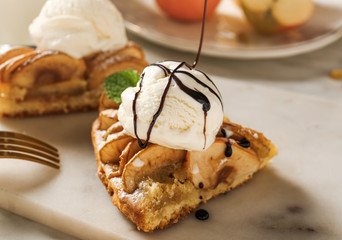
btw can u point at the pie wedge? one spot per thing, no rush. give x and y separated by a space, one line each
157 186
37 82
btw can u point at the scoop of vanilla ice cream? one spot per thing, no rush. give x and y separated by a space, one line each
180 124
79 27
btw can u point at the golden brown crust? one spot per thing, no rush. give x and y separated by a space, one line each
13 52
106 63
170 189
44 107
132 211
37 82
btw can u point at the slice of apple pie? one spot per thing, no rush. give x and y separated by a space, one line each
36 82
160 180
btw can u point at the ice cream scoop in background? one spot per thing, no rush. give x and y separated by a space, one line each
79 27
182 123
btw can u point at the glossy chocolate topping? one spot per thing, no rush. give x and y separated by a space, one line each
194 93
202 214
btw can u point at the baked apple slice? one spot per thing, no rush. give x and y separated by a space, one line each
103 65
13 52
272 16
47 67
154 161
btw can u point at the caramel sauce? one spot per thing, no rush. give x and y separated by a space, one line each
35 58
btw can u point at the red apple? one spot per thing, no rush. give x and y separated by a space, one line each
187 10
269 16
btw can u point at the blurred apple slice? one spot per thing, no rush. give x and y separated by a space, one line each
292 12
272 16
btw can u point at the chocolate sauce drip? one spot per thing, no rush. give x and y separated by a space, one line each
202 214
208 78
244 143
229 151
198 96
224 133
135 117
160 108
203 84
165 69
205 128
194 93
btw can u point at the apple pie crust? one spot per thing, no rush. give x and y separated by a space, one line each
157 186
37 82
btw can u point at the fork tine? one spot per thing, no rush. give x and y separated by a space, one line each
20 146
4 147
24 156
8 141
26 138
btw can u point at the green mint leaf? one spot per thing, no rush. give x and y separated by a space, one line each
116 83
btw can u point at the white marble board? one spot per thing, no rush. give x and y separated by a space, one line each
297 197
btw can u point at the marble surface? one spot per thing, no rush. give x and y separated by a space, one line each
297 197
306 75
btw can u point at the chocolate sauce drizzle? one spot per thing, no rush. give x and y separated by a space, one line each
244 143
228 151
194 93
202 34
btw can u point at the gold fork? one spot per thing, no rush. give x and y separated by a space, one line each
20 146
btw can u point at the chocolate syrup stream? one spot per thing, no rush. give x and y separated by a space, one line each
202 34
194 93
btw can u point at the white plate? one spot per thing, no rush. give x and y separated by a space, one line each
229 35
